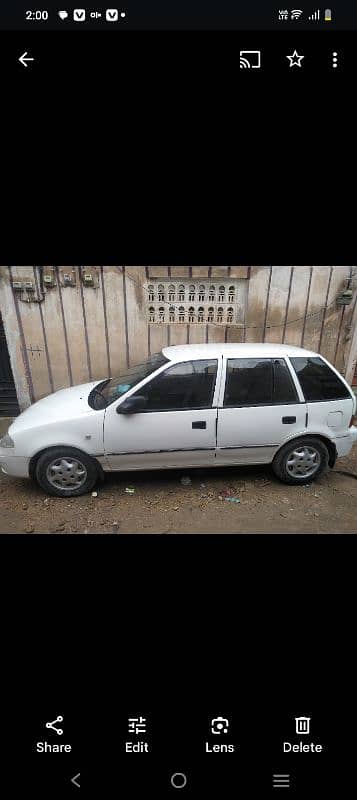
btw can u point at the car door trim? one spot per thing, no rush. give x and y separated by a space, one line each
146 452
245 446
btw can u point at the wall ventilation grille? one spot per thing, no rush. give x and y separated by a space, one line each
221 302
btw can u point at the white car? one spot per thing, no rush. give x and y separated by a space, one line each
189 406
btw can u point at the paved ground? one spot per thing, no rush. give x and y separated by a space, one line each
161 504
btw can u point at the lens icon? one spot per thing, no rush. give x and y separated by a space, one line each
178 780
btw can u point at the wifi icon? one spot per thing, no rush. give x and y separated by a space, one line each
296 13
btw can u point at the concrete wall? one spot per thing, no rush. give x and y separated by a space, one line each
65 335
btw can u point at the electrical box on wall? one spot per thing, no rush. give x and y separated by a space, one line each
25 285
345 298
26 290
90 277
49 278
68 276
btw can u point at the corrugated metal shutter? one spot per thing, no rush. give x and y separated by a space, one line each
8 400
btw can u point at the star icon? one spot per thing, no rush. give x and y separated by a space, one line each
295 59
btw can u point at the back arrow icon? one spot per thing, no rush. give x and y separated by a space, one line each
75 780
25 58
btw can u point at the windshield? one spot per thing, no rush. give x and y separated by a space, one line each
113 388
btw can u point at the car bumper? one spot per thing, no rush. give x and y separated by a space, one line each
345 443
18 466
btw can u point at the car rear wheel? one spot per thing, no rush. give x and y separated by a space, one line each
301 461
66 472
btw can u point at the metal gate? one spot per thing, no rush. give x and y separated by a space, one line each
8 399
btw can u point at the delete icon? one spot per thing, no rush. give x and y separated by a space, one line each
79 14
112 15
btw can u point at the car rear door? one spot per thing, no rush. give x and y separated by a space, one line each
261 406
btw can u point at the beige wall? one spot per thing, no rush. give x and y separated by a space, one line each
80 333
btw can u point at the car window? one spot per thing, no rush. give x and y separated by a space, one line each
113 388
317 380
182 386
258 381
284 390
249 382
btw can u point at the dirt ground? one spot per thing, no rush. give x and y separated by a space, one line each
162 504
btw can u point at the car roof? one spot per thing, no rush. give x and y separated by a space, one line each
185 352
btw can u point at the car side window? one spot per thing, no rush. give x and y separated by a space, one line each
284 390
182 386
258 381
318 381
249 382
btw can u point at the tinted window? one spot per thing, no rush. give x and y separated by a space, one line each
187 385
254 381
318 381
249 382
283 387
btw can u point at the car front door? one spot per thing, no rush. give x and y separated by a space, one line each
261 407
176 427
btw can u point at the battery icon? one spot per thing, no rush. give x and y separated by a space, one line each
328 15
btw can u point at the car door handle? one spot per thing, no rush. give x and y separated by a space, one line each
288 420
201 424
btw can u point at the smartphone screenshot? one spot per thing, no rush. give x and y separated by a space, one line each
178 442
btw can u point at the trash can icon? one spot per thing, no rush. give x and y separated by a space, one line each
302 724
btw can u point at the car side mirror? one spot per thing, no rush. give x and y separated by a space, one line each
132 405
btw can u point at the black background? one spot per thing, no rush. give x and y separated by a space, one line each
178 629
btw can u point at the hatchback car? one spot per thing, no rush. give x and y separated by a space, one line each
189 406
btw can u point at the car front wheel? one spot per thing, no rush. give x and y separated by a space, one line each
301 461
66 472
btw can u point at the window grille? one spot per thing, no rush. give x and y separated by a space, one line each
212 293
220 303
191 294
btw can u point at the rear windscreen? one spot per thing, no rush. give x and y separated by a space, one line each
318 381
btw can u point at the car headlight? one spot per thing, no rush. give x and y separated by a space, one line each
7 441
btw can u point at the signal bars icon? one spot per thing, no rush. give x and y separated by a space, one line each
315 17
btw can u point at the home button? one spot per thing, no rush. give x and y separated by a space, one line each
178 780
